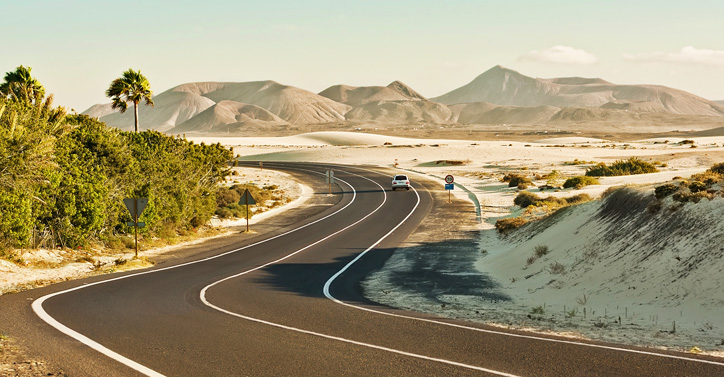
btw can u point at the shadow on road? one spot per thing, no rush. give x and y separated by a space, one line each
432 270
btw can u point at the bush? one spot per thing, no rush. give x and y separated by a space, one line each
697 186
610 191
663 191
693 197
717 168
580 181
622 167
526 199
505 225
556 268
515 179
541 250
578 199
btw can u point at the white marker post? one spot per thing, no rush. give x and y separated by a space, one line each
449 186
330 179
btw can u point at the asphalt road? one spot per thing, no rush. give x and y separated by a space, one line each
288 303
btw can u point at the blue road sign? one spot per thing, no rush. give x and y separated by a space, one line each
449 186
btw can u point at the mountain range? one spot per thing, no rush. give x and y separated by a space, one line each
497 96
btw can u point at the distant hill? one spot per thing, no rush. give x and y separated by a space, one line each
177 105
170 108
229 117
498 96
401 112
355 96
487 113
502 86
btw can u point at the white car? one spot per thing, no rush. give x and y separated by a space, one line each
400 181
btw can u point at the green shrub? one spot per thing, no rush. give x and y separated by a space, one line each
516 179
693 197
697 186
506 225
580 181
665 190
622 167
526 199
578 199
717 168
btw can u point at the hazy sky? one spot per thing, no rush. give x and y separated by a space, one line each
77 47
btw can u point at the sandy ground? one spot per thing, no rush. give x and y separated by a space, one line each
482 276
614 296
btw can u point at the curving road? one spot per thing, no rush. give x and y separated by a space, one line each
288 303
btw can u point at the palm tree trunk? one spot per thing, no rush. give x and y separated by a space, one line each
135 110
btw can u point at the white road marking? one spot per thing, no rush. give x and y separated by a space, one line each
38 308
533 337
40 311
345 340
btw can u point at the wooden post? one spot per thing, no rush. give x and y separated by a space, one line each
135 220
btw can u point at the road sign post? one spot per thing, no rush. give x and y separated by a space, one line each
136 206
247 200
330 179
449 186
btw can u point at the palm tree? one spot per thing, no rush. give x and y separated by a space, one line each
19 85
131 87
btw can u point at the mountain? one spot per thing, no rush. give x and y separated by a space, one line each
487 113
502 86
497 96
401 112
356 96
229 117
170 108
181 103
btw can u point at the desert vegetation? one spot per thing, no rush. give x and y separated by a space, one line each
527 199
580 181
706 185
516 180
227 199
536 208
630 166
63 177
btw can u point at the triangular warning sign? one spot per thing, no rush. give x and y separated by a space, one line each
247 199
